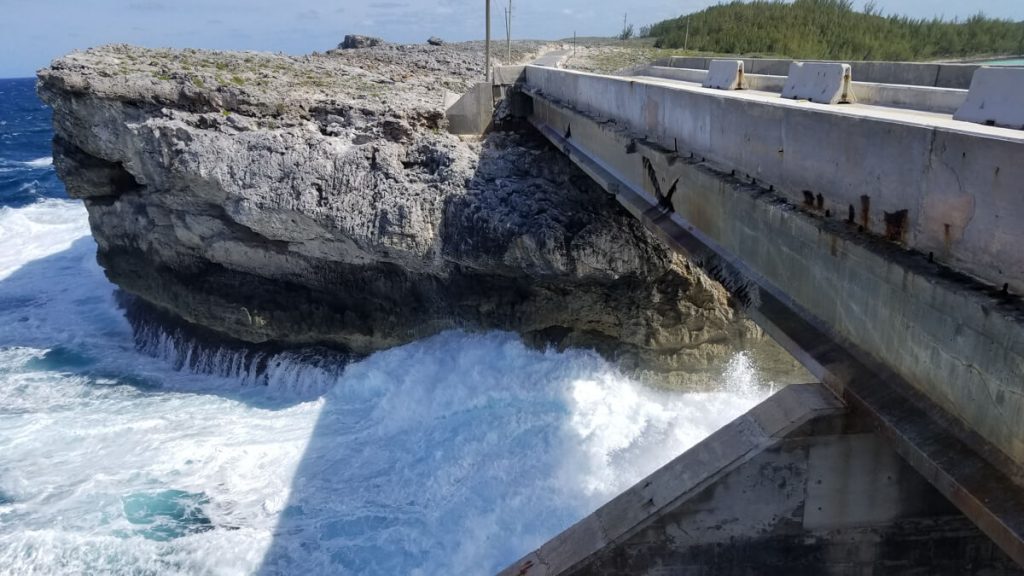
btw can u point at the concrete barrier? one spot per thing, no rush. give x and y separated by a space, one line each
824 83
750 81
724 75
908 73
924 98
996 98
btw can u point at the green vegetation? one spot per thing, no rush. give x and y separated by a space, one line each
832 29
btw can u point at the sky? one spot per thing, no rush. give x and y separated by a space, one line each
33 32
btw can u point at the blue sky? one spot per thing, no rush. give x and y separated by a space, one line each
33 32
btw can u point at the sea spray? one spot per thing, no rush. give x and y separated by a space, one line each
454 454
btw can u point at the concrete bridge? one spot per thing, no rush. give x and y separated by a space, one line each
874 230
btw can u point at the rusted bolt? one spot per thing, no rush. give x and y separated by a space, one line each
865 211
896 225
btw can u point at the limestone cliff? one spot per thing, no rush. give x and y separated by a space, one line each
319 199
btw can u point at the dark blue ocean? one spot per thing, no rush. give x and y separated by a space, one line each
26 169
146 454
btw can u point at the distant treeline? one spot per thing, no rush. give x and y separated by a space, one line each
832 29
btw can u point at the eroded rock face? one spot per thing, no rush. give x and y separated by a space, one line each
320 200
355 41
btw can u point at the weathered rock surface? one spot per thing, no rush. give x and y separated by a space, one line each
320 200
354 41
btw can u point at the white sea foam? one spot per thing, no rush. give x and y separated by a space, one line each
39 230
39 162
452 455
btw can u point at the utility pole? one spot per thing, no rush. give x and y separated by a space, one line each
508 33
487 43
686 39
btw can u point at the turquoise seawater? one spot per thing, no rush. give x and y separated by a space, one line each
1012 62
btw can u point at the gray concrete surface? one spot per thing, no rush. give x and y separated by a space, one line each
799 485
636 508
820 82
724 75
996 98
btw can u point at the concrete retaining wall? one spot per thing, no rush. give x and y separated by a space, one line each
947 188
470 113
942 100
913 73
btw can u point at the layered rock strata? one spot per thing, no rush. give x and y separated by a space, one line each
320 200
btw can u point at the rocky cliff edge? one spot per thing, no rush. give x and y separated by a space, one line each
320 200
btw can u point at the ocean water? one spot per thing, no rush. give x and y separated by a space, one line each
139 452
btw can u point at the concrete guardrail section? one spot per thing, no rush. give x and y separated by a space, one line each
923 98
937 75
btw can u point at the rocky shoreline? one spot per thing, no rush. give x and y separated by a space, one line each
319 200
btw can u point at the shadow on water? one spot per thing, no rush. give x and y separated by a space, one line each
416 455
